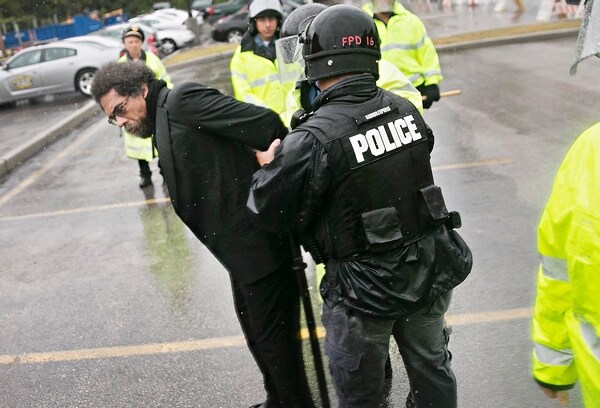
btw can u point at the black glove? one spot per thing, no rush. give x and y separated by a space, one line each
431 94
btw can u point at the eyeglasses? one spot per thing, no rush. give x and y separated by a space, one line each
118 111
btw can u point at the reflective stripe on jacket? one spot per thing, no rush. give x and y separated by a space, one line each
405 43
566 322
137 147
393 80
255 80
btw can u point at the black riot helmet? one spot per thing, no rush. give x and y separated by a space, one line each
339 40
297 20
133 31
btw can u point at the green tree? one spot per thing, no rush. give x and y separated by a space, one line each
44 12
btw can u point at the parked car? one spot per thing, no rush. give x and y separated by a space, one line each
201 6
108 42
53 68
157 22
172 39
161 5
168 18
114 32
181 15
231 28
215 11
166 40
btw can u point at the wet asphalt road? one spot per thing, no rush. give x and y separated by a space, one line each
106 300
29 118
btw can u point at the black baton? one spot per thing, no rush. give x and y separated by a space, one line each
299 267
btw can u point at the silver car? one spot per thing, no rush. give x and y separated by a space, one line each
114 31
52 68
170 37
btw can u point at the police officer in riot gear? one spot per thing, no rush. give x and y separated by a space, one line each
291 67
354 180
293 25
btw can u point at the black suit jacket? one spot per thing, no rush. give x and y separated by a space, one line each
205 143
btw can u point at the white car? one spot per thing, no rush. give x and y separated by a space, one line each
181 15
114 32
108 42
166 40
53 68
167 18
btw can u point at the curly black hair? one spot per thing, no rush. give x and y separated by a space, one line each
125 78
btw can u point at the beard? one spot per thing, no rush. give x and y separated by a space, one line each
144 128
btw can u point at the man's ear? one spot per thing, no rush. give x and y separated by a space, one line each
144 90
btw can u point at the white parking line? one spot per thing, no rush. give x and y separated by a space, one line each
62 154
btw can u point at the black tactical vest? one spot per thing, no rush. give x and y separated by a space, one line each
383 195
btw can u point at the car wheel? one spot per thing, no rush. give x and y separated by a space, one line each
83 81
235 36
168 46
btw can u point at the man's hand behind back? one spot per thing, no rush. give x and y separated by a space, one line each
266 156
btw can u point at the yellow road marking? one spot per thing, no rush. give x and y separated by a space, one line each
80 210
123 351
201 344
472 164
219 342
32 178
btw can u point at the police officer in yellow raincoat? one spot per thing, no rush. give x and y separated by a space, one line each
139 148
566 322
405 43
253 65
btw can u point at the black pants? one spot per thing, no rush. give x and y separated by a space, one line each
269 313
144 168
358 345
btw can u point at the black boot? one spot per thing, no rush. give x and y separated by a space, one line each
145 174
145 181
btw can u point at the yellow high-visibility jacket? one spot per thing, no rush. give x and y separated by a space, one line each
566 321
390 78
405 43
137 147
255 79
393 80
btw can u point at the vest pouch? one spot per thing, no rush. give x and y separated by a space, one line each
432 206
382 227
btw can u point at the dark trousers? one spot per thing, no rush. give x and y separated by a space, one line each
358 347
144 168
269 313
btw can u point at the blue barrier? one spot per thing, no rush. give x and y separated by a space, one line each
81 25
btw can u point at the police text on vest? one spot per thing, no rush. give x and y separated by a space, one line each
378 140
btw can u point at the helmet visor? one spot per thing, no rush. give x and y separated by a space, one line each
290 63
